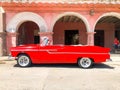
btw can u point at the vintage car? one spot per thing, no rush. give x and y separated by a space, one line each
84 56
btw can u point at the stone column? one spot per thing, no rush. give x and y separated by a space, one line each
3 50
48 35
11 41
90 38
2 33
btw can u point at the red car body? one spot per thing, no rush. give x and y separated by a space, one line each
61 53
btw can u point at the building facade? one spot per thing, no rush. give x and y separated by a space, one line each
87 22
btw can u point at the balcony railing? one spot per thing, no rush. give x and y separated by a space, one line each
64 1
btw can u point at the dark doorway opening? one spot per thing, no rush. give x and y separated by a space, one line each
99 38
117 34
36 39
71 37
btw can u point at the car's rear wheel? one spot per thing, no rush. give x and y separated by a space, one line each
85 62
24 61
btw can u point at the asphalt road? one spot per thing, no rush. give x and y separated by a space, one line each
104 76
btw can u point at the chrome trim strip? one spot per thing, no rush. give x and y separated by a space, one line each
73 53
36 50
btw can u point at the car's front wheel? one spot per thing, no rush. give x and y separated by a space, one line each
24 61
85 62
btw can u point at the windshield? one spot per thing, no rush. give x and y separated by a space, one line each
45 41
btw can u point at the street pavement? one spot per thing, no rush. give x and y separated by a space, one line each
115 57
104 76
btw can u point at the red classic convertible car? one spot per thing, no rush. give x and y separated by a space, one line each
84 56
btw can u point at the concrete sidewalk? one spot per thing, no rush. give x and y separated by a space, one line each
115 57
2 59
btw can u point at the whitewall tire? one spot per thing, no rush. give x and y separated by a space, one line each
85 62
24 61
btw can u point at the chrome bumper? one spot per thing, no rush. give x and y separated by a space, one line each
11 58
108 60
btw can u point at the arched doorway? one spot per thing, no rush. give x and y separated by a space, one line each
13 27
69 30
28 33
107 28
28 16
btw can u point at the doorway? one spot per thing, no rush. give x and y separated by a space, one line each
36 39
71 37
28 33
99 38
117 34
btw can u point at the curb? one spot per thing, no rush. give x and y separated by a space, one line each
2 62
3 58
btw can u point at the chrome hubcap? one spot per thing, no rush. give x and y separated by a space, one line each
85 62
23 61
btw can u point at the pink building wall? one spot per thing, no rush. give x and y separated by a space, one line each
55 30
58 30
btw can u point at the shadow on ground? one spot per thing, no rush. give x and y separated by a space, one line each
103 66
99 66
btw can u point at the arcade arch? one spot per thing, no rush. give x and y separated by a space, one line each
68 25
28 33
18 19
107 27
13 27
